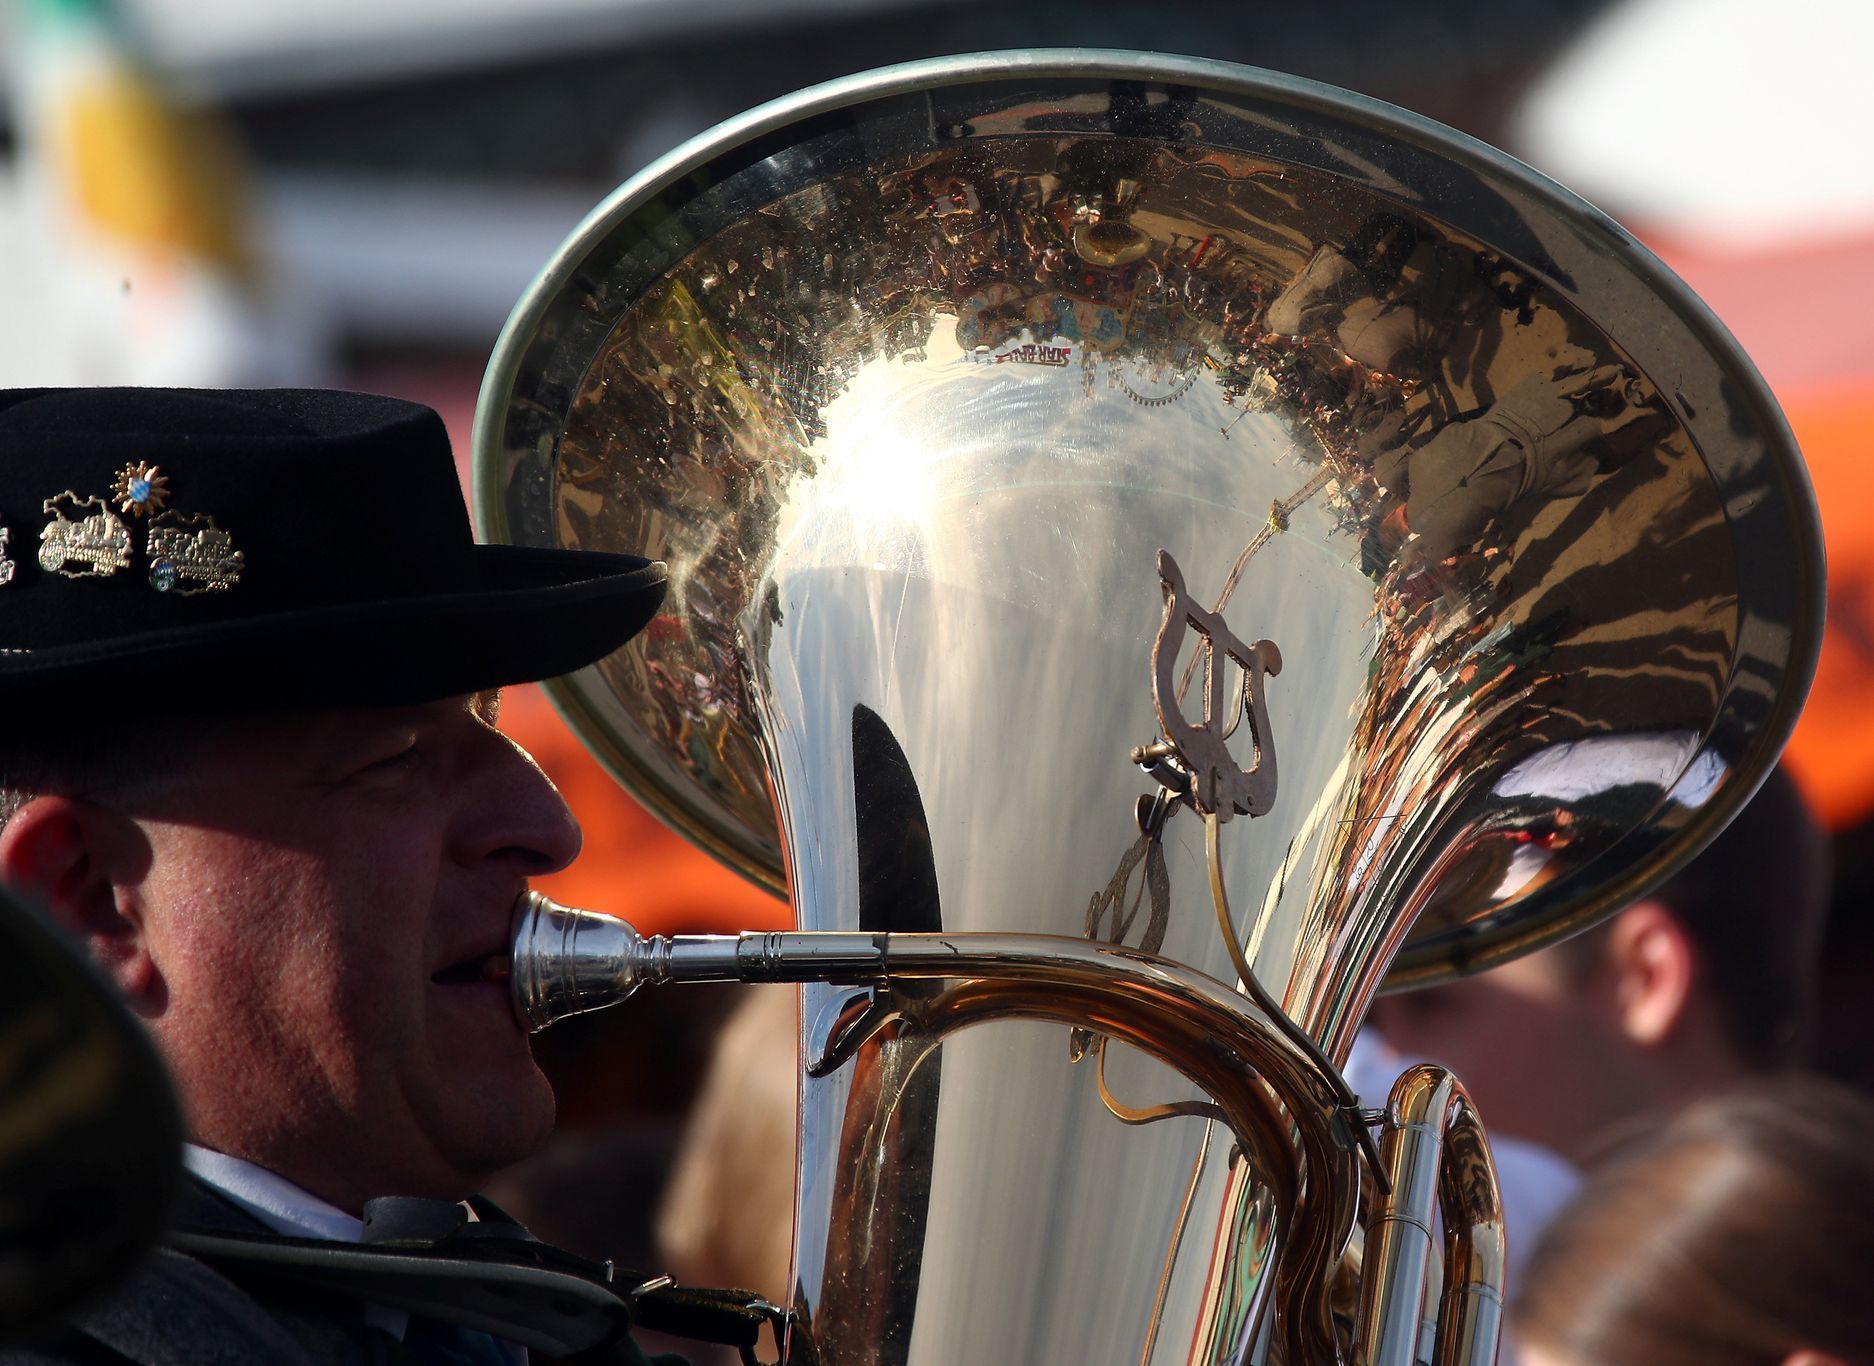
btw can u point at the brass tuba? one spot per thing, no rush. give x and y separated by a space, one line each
1160 552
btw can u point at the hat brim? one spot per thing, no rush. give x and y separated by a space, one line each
523 614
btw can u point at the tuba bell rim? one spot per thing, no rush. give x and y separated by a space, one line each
1783 586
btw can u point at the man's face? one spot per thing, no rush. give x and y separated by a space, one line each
327 904
1536 1043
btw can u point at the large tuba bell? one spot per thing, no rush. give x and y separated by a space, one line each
1159 553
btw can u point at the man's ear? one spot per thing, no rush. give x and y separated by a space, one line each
85 864
1656 971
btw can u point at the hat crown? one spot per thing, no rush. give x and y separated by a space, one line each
187 548
329 497
196 413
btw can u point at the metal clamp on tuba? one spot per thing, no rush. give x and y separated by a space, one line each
1041 444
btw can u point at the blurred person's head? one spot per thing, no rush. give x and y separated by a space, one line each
727 1216
1739 1234
1707 980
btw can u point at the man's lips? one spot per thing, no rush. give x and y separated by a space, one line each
482 967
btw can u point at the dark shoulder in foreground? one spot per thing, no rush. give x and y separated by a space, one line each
178 1311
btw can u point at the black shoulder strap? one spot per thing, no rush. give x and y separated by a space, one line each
494 1277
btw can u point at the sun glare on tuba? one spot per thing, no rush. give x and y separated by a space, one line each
1159 553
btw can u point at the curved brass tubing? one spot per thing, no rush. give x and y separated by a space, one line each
1435 1151
1270 1091
1271 1099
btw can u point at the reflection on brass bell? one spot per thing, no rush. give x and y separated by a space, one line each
1109 243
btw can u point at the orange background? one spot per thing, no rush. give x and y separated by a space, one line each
632 864
1803 310
1832 752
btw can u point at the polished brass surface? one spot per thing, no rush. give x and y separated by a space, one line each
919 383
901 361
1436 1156
1270 1094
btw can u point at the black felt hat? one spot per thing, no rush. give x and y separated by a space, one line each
220 548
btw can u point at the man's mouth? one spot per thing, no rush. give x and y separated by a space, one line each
483 967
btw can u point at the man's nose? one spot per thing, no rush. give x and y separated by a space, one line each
520 819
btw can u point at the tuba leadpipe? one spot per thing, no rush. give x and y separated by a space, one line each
1049 450
1273 1093
1270 1091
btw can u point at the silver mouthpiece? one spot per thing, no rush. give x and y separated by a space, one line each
567 962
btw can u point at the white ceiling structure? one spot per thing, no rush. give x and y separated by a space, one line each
1733 136
1724 123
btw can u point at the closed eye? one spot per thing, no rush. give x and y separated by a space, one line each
392 763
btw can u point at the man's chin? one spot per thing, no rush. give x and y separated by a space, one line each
504 1119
